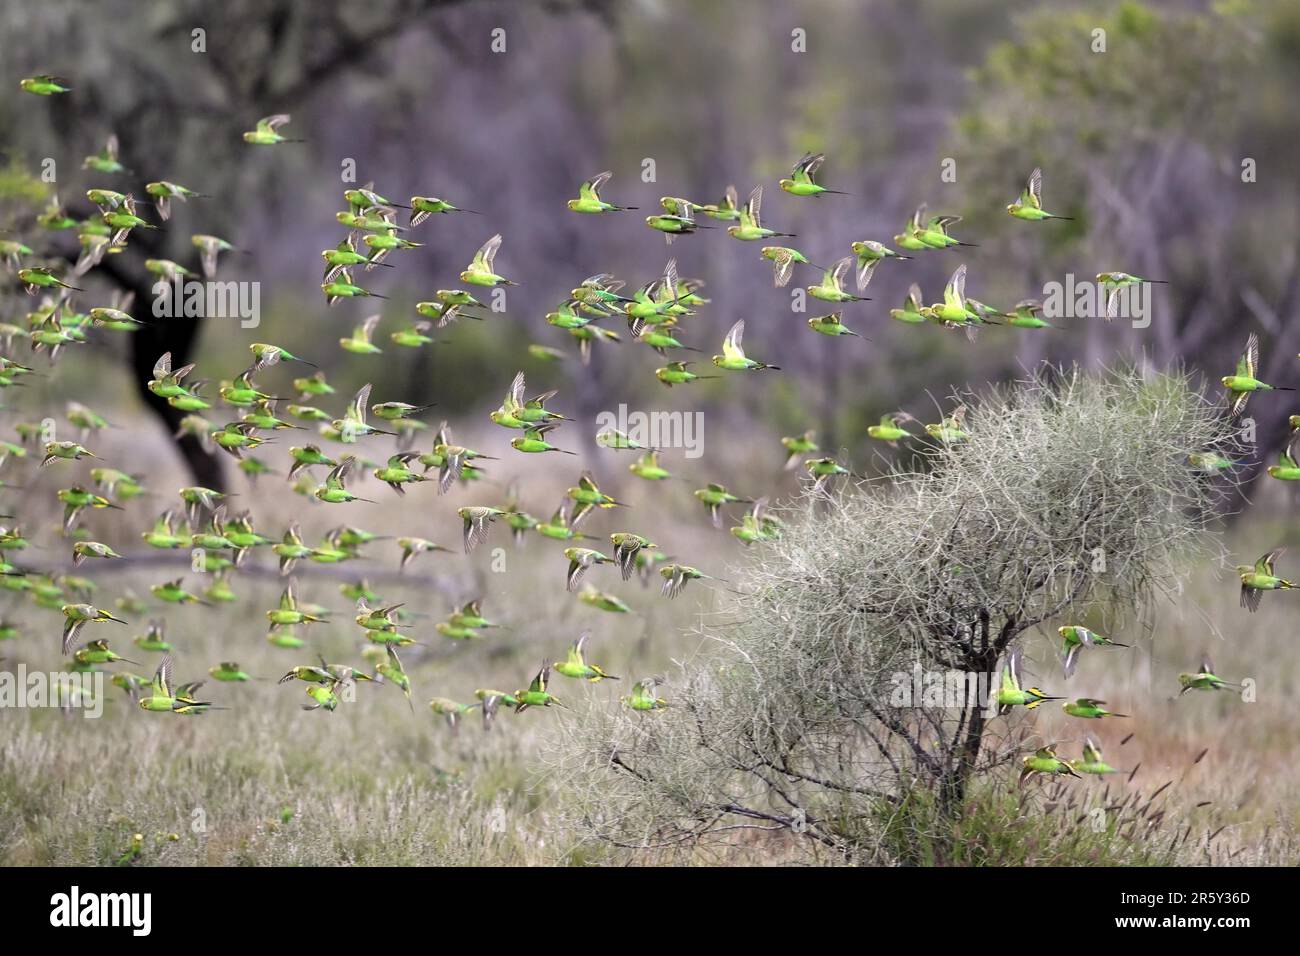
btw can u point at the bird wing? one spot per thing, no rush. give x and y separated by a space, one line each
754 206
591 188
1249 358
269 124
1033 194
484 257
954 293
367 328
162 678
357 408
731 345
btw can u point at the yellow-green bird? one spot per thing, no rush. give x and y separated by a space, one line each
265 134
1045 761
480 270
831 288
580 559
751 227
1257 579
333 491
643 696
1204 679
67 451
359 342
1092 761
288 612
890 429
1076 638
575 664
797 446
733 356
589 200
1029 205
44 85
714 496
1089 707
163 698
1010 694
476 519
393 671
537 695
353 424
82 550
1287 468
1243 383
677 576
800 181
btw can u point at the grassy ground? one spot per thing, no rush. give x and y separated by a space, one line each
265 782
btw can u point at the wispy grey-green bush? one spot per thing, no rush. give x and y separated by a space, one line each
1072 492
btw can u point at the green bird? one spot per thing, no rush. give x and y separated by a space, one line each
309 673
677 576
456 632
1011 694
132 684
75 616
344 256
1026 315
1257 579
1286 468
265 134
413 546
580 559
471 615
66 450
588 494
823 470
164 698
1243 383
333 492
1211 462
422 207
728 210
343 287
229 672
173 593
536 695
233 437
166 382
733 356
382 243
602 601
412 337
830 325
11 250
106 161
800 182
626 547
76 499
679 222
353 423
1204 679
91 549
750 226
934 233
1030 203
950 430
395 411
476 520
1076 638
163 192
890 429
397 473
98 652
831 288
450 709
869 253
359 342
575 663
797 446
163 535
288 612
376 618
480 270
679 373
757 525
392 671
37 278
1112 283
560 527
1089 707
291 549
1092 761
648 467
783 259
44 85
1044 760
714 496
589 200
545 353
322 698
306 456
643 696
533 441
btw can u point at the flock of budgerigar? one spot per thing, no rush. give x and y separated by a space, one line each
656 314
